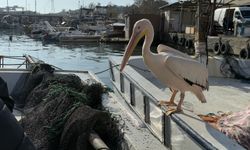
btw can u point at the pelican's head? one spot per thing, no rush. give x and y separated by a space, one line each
140 29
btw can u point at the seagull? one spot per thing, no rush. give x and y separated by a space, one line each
175 69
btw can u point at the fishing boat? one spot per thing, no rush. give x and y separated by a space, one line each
15 71
141 91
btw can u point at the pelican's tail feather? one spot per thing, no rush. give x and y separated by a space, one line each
197 90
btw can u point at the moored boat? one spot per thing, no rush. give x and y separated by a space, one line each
141 91
74 35
20 70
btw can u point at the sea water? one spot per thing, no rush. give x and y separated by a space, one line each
85 56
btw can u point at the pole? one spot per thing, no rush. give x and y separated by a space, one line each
35 6
8 6
211 29
26 5
200 34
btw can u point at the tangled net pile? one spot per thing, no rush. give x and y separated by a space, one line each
61 111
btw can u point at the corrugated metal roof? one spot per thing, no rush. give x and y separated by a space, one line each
238 2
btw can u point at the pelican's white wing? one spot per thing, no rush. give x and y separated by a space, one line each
166 49
188 69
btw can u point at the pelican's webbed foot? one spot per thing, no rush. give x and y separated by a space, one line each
166 103
172 111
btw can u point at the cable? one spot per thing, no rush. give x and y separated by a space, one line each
107 69
139 68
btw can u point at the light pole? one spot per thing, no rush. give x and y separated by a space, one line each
8 6
35 6
26 5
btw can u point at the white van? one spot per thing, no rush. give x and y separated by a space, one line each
234 18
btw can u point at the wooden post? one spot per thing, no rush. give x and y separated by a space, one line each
200 34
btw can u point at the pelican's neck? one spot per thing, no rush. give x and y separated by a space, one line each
149 36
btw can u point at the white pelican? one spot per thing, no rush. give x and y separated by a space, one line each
174 68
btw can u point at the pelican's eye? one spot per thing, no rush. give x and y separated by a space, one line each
138 27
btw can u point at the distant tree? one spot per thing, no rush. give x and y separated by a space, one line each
133 9
112 11
149 6
92 5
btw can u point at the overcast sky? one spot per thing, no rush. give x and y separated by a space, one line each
44 6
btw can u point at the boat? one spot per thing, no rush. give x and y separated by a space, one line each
15 70
41 29
134 100
74 35
99 26
141 91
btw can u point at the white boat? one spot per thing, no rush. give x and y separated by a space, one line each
88 27
140 91
74 35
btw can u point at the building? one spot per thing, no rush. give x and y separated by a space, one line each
178 16
130 20
100 10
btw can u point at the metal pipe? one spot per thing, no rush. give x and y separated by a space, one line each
97 142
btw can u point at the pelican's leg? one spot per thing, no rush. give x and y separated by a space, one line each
178 108
180 102
170 102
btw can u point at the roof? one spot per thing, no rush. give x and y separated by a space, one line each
192 5
118 24
179 5
237 2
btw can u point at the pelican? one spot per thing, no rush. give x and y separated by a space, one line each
173 68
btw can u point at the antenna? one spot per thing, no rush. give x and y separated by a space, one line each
52 6
35 6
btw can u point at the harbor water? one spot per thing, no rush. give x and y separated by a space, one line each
85 56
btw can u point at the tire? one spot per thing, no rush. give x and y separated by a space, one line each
244 53
224 49
182 41
175 39
216 48
188 44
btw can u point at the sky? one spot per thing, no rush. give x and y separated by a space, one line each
44 6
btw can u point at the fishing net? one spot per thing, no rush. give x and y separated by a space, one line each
235 125
61 111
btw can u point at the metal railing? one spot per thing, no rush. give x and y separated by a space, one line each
17 62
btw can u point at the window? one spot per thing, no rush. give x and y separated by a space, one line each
245 13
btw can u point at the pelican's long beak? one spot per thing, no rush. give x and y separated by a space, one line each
135 38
